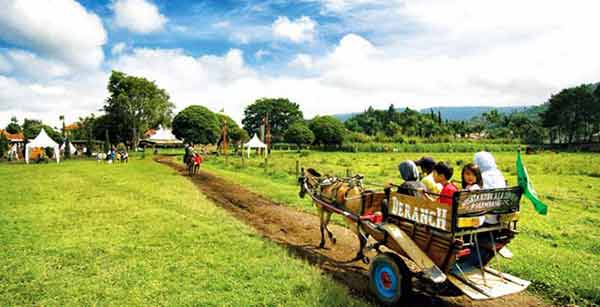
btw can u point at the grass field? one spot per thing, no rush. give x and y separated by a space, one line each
559 253
82 234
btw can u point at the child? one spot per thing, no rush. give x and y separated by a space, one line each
471 177
492 177
197 159
427 164
442 173
410 174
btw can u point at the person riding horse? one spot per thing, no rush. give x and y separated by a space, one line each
189 153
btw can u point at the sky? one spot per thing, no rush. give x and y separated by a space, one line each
330 56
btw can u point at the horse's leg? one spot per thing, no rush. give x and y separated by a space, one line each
322 226
329 233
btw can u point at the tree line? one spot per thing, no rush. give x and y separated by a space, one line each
136 104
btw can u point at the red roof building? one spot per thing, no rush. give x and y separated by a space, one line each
16 137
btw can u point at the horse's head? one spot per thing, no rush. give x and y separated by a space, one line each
309 179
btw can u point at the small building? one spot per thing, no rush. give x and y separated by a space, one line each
160 137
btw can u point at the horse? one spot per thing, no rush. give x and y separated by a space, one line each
346 194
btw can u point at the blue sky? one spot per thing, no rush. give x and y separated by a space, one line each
331 56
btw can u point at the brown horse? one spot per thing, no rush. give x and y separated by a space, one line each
346 194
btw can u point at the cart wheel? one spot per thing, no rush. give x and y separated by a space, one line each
389 278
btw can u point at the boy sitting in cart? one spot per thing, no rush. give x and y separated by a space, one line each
442 173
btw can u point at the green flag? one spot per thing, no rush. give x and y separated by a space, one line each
527 187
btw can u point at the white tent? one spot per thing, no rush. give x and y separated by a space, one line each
71 148
163 136
255 142
42 140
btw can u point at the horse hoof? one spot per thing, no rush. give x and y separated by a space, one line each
366 260
333 241
322 244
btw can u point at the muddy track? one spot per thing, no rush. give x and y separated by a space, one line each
299 233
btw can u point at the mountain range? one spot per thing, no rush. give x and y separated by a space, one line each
452 113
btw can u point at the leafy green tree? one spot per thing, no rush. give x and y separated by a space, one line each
282 113
198 125
568 113
298 133
135 105
235 134
13 127
328 130
32 127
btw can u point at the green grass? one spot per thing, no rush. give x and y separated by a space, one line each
559 253
84 234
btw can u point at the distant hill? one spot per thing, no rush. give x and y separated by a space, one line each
466 113
452 113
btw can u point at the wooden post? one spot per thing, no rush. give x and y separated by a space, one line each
297 168
243 163
266 165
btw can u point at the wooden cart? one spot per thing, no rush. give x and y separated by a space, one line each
447 244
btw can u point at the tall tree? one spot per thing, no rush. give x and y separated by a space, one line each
282 113
135 105
235 134
32 127
13 126
328 130
568 113
197 125
298 133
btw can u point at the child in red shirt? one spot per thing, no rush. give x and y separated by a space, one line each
442 173
197 159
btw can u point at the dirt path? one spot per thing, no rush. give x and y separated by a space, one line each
299 233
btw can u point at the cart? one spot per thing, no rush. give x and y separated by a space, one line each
425 245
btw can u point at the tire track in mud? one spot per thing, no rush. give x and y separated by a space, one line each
298 232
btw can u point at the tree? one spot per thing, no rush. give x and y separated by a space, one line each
569 112
135 105
298 133
32 127
282 113
197 125
235 134
328 130
13 127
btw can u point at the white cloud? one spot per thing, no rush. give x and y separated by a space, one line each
26 64
303 61
61 29
47 99
222 24
341 5
138 16
118 48
417 54
300 30
260 54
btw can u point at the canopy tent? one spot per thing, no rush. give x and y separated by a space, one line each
42 140
72 148
163 136
255 142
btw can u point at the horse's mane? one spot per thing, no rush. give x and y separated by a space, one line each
313 172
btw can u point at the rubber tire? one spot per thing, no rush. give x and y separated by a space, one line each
394 264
